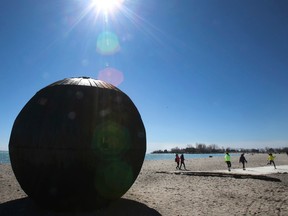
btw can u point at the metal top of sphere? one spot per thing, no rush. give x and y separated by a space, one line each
84 81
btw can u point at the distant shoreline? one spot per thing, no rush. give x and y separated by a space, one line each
4 156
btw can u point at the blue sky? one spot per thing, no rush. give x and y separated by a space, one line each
199 71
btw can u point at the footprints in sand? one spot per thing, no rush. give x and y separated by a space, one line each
270 203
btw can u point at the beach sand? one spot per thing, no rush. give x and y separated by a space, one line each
161 190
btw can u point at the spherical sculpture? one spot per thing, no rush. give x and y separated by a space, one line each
78 143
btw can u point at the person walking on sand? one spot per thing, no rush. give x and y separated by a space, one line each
271 158
182 161
228 160
177 160
242 160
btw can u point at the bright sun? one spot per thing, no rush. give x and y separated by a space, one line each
106 5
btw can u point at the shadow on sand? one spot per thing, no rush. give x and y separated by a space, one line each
224 175
26 207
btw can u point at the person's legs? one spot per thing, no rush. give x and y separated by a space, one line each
273 164
229 165
243 165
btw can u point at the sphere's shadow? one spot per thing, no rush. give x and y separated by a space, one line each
26 207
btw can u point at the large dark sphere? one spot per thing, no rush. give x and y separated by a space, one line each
78 143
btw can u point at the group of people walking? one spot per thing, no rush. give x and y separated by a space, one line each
180 160
243 160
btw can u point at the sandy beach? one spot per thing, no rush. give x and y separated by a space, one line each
161 190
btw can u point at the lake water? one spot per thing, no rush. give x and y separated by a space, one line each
4 156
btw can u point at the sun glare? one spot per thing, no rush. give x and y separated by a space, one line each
106 5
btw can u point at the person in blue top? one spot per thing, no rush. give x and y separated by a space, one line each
227 158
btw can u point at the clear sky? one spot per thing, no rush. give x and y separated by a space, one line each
199 71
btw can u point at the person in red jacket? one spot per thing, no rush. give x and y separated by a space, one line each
177 160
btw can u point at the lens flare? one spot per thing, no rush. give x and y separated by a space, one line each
107 43
111 75
111 138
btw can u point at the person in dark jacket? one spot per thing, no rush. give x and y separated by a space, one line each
182 162
242 160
